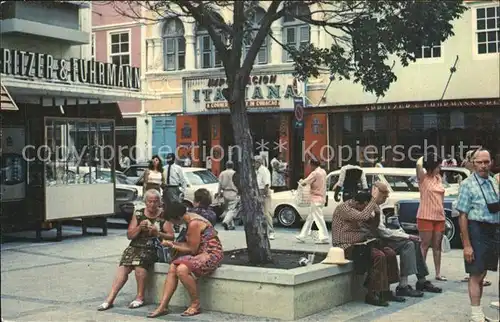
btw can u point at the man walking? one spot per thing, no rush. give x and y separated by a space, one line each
230 194
479 208
264 185
278 182
411 259
175 181
317 180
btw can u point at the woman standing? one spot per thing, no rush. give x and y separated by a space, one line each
430 214
140 255
153 176
200 255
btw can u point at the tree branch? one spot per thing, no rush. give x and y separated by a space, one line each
265 26
207 21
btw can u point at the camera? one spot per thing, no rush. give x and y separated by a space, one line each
363 196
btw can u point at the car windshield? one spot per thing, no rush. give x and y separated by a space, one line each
405 183
201 177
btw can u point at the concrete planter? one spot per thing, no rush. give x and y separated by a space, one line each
263 292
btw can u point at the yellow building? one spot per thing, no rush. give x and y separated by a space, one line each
182 67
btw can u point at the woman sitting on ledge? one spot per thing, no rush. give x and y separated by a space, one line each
200 255
140 255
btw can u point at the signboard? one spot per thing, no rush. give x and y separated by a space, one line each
298 108
31 65
268 91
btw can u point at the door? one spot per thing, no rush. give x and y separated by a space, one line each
13 165
164 136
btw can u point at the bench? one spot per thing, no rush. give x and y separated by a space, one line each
264 292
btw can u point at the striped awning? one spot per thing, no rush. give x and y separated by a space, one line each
7 103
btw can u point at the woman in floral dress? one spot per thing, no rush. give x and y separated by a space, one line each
200 255
146 225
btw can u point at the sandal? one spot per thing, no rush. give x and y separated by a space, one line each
153 315
105 306
135 304
441 278
191 311
486 283
465 279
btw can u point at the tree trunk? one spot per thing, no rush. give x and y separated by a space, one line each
258 246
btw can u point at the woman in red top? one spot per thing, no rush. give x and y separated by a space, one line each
430 215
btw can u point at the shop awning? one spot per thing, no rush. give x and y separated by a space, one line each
7 103
29 91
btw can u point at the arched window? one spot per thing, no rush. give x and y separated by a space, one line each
208 57
295 32
174 45
263 55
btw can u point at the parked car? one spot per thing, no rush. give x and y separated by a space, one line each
135 171
402 184
407 209
196 178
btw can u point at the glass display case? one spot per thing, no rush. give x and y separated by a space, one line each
78 151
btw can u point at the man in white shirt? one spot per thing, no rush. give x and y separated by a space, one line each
175 181
124 162
230 194
350 178
264 184
411 260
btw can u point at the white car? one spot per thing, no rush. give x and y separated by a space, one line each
196 178
402 183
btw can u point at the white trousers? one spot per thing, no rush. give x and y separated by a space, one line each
230 212
316 215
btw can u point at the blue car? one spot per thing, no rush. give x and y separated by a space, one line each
407 212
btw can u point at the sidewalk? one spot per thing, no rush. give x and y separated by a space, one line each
66 281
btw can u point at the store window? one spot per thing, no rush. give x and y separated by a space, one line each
78 151
120 48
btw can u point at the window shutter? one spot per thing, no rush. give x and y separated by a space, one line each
305 35
198 51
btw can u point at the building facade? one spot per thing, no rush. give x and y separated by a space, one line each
183 67
448 98
59 123
117 38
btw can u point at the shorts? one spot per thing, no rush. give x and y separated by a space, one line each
485 241
430 225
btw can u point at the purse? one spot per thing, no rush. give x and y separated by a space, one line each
493 207
162 252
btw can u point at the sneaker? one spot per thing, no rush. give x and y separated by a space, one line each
408 291
495 305
322 241
272 237
300 239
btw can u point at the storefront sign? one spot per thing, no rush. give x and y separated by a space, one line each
74 70
262 91
465 103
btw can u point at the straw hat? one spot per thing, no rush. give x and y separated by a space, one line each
335 256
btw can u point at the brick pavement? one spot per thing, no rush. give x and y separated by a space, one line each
66 281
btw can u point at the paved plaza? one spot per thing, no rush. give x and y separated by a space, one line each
66 281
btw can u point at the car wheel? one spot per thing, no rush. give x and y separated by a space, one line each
452 232
287 216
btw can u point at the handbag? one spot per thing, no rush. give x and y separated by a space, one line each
162 252
302 196
493 207
445 244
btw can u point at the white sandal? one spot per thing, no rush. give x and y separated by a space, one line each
135 304
104 306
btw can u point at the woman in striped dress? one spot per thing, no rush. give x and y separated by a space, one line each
430 214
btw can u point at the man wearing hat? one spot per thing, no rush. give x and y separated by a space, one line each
264 185
349 232
175 181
